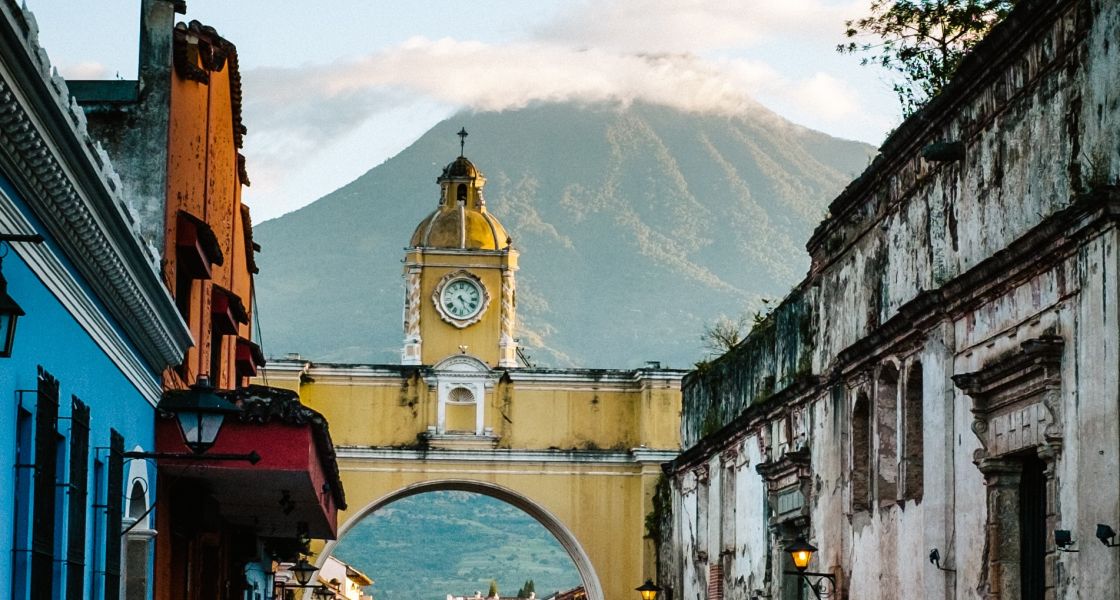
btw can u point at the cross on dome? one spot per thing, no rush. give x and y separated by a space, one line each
462 140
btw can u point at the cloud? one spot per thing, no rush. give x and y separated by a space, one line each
501 77
692 55
84 70
696 25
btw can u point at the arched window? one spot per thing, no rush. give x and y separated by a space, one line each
886 411
861 453
461 193
137 547
912 433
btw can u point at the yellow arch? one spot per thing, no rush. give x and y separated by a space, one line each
567 539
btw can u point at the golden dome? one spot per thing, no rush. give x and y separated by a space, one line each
461 220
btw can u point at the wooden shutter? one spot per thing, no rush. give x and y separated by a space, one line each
114 483
79 474
43 503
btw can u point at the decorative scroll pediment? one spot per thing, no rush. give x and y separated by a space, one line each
788 484
1015 399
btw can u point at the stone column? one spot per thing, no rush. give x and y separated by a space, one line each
1001 478
507 347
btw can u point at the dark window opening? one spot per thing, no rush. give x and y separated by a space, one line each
183 284
461 194
1032 529
861 454
215 355
913 439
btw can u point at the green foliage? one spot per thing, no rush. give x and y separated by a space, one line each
493 592
921 40
527 589
724 333
662 506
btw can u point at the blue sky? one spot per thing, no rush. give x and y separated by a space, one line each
334 88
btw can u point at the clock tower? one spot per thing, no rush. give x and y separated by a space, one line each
460 290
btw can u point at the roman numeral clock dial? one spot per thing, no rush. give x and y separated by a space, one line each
461 298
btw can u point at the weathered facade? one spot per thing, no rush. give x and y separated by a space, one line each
945 377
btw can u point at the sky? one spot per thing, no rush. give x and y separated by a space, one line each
334 88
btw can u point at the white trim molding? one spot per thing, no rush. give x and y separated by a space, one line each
68 182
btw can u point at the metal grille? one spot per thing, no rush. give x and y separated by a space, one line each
114 484
44 502
79 472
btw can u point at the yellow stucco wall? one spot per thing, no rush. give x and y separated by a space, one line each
442 339
565 441
390 407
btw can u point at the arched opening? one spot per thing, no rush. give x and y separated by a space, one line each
912 435
861 454
586 572
886 412
136 547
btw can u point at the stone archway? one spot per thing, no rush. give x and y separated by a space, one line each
554 526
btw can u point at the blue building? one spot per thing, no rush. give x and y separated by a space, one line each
83 378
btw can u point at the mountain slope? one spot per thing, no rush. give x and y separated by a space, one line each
636 226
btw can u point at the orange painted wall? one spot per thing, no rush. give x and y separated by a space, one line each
203 180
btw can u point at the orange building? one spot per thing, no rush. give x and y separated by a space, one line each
174 136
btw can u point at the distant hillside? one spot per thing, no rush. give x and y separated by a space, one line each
430 545
636 227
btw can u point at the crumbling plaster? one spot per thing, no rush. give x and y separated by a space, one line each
952 266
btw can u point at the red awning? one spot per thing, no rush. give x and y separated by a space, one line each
296 481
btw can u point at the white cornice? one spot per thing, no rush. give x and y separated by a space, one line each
576 379
68 182
635 456
60 281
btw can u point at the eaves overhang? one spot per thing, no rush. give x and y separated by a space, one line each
68 182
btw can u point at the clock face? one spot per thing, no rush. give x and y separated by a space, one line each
461 298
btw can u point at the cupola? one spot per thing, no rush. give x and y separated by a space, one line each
461 220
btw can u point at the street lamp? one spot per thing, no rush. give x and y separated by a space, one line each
10 311
801 552
200 413
648 590
323 593
303 571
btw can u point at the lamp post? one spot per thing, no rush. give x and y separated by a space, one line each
801 552
648 590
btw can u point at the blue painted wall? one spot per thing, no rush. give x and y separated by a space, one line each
50 337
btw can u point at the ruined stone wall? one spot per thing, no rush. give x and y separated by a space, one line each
956 336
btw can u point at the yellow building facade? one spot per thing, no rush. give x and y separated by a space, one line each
578 449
